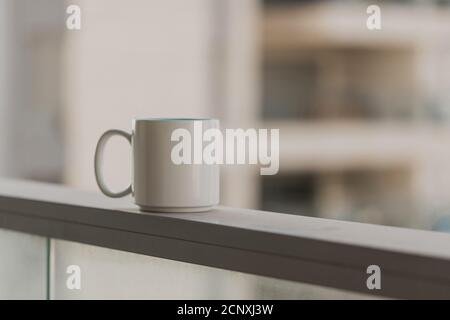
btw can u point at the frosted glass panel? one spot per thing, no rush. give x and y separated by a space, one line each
112 274
23 266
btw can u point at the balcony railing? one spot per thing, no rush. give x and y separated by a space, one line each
232 251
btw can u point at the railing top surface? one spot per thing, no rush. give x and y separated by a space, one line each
285 246
427 243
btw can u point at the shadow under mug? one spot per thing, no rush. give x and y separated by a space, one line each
158 184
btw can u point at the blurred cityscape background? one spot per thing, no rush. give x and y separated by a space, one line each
364 116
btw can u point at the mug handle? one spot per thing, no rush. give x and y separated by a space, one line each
98 161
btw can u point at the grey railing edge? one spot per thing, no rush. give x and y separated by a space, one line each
303 249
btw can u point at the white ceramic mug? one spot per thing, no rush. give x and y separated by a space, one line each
158 184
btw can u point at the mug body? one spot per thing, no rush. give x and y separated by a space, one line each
161 185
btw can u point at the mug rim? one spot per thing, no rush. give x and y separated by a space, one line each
172 119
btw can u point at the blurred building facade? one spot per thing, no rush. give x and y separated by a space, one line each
31 46
363 115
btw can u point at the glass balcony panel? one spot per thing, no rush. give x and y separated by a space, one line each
23 266
113 274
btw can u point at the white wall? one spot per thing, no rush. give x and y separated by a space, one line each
241 94
135 59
